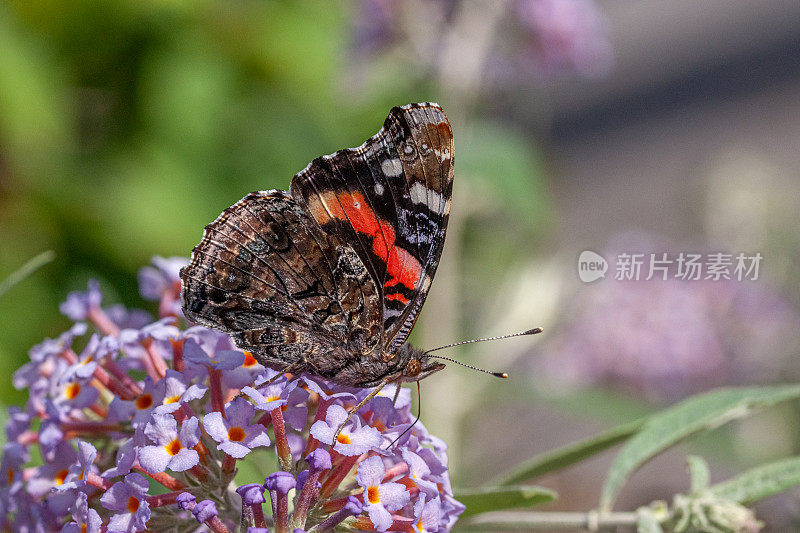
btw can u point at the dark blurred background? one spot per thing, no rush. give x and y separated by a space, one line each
613 126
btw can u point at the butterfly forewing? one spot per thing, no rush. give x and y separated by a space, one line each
390 196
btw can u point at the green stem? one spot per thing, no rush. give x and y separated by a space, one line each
525 521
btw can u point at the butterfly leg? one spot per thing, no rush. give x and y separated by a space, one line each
397 393
361 404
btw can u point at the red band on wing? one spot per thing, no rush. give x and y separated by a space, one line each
403 267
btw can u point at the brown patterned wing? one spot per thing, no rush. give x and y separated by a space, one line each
266 274
390 200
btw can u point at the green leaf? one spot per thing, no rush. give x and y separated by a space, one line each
554 460
760 482
26 270
672 425
485 499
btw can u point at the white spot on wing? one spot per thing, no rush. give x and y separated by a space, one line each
420 194
392 167
378 189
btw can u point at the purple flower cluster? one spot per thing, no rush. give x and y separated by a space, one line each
144 425
668 339
539 38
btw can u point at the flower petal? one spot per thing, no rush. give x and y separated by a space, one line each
393 495
380 517
154 459
215 426
183 460
370 472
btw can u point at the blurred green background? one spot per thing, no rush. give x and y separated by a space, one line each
126 126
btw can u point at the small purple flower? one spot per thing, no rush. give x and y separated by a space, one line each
127 500
427 513
327 392
160 278
77 394
186 501
84 465
53 347
15 455
251 493
419 472
205 510
128 318
53 473
234 433
380 498
85 519
174 390
354 439
270 397
86 364
141 407
222 360
173 450
126 457
78 304
280 482
18 422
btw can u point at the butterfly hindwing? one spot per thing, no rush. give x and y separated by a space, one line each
269 276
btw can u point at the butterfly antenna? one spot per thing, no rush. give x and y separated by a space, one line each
495 374
533 331
419 414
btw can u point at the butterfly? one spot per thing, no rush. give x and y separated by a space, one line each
329 278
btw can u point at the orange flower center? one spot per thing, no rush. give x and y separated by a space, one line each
72 390
172 399
174 447
133 505
236 434
373 495
343 438
144 401
249 360
60 476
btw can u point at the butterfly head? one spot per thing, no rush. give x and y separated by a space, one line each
417 364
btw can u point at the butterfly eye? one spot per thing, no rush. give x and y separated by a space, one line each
413 368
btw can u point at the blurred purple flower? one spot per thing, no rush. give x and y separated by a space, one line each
565 36
667 339
79 304
85 519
